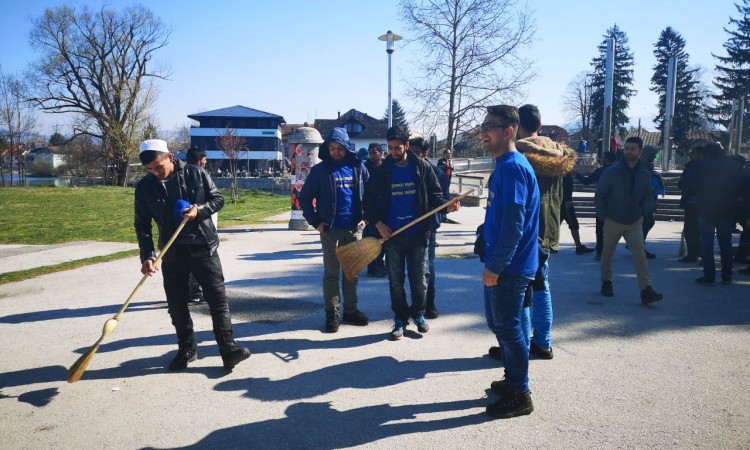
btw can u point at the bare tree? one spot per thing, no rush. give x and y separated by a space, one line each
179 138
97 65
473 56
232 145
577 103
18 119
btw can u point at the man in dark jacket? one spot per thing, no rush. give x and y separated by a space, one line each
160 197
403 189
606 161
623 196
715 183
421 148
336 185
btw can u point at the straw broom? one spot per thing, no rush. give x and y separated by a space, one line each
355 256
76 370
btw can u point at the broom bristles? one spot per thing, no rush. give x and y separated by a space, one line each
356 256
76 370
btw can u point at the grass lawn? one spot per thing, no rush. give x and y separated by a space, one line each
52 215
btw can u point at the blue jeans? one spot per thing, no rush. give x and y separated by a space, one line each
723 227
503 305
539 316
407 255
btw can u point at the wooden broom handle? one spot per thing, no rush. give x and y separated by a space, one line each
158 259
428 214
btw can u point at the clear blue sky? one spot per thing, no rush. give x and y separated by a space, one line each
310 59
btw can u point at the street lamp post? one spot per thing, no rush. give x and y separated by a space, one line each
389 39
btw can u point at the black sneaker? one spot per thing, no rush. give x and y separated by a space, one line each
607 290
356 318
499 387
184 356
706 280
422 326
512 404
726 280
649 295
234 356
649 255
688 259
431 312
332 321
495 353
583 250
541 352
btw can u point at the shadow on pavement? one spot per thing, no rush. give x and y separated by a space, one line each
54 314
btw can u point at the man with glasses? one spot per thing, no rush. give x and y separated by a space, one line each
511 232
164 196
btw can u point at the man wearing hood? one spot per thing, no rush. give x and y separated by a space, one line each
164 196
401 190
336 185
550 161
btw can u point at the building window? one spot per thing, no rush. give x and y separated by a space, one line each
353 127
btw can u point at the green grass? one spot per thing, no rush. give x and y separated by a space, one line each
49 215
21 275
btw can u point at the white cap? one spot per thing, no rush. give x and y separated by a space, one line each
156 145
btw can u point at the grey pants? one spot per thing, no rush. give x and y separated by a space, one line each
633 234
331 239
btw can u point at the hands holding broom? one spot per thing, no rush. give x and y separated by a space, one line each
386 232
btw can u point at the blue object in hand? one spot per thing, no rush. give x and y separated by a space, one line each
179 206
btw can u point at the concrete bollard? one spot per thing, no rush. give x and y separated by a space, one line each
304 145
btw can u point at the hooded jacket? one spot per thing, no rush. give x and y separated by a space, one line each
320 185
151 203
550 161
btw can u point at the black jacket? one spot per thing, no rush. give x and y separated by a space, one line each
151 203
377 197
715 185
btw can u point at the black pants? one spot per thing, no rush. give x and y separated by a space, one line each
648 223
179 262
692 232
599 236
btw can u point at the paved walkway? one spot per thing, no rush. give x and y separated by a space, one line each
674 374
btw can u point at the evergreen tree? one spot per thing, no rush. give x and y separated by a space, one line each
399 116
56 139
733 71
689 104
623 81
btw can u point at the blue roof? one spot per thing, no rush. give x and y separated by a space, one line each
237 111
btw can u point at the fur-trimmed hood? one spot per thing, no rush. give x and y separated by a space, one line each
547 157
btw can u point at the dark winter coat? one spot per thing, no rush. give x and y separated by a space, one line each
624 194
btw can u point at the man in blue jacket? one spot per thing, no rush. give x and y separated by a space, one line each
336 185
511 231
623 197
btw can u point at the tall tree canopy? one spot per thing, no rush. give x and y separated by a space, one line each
733 70
622 86
98 66
473 55
689 106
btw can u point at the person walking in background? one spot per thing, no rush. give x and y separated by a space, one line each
336 185
374 160
690 227
446 165
160 197
743 213
606 162
715 183
421 148
568 214
623 195
511 232
657 188
403 189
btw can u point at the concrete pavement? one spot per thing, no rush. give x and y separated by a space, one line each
673 374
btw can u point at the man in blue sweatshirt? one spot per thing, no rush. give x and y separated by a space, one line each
511 230
337 186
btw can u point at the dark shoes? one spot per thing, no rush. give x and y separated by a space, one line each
495 353
512 404
726 280
745 271
499 387
583 250
607 289
184 356
377 273
706 280
431 313
422 326
540 352
649 295
688 259
598 257
234 356
649 255
356 318
332 321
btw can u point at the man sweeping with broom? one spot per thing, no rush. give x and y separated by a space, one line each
165 196
402 189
